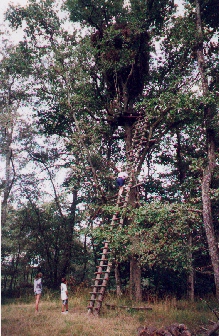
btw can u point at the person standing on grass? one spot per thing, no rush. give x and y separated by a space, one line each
64 296
38 287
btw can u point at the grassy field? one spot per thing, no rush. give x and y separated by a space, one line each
19 317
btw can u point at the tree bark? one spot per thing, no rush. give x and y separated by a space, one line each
69 233
135 269
8 125
207 214
135 280
83 275
118 280
191 290
211 162
9 176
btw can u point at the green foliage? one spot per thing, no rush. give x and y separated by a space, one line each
42 239
159 234
32 14
96 14
100 13
82 87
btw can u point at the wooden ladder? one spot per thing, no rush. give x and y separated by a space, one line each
105 264
100 282
138 142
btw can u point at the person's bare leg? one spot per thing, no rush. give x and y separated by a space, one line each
37 302
120 191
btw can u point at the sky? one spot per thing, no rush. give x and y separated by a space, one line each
4 4
3 7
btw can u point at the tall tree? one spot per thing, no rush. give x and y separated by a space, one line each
13 91
120 47
211 139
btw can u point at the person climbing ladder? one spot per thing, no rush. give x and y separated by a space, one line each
120 181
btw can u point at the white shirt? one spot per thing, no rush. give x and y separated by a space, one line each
63 291
38 286
123 175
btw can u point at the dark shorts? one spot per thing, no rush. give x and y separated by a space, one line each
120 181
65 302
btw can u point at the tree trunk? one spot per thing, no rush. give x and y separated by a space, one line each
207 214
83 275
8 176
135 280
69 233
9 167
135 269
211 162
190 288
118 280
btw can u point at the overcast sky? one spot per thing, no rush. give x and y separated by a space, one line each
3 6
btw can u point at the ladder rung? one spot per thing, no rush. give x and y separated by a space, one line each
102 259
99 286
102 264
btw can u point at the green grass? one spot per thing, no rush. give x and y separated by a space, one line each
19 317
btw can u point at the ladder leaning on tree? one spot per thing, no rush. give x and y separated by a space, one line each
105 264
